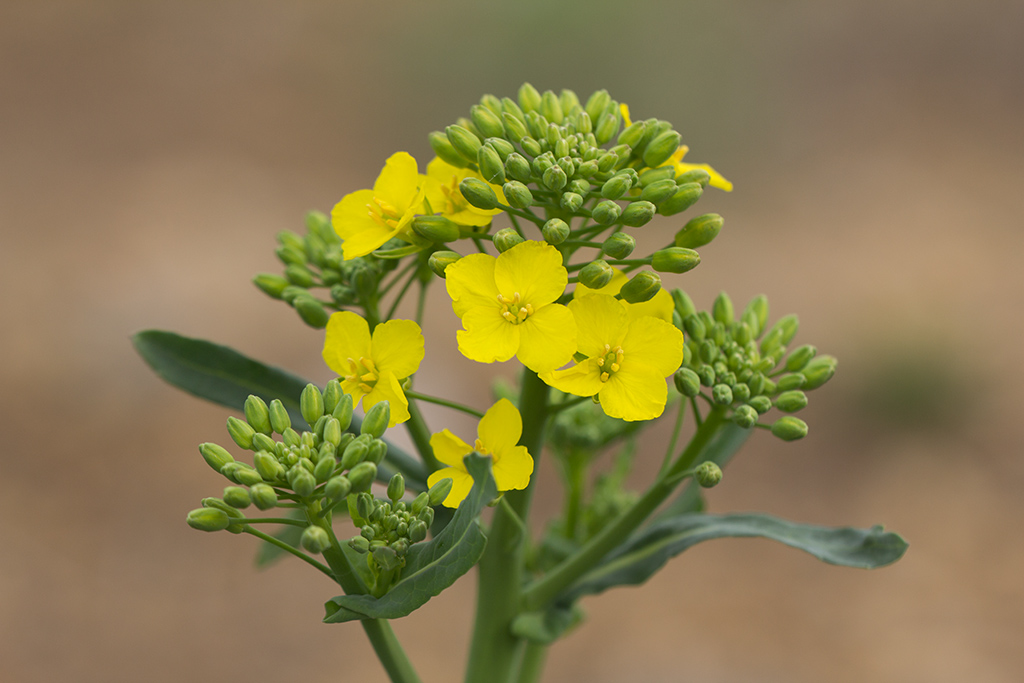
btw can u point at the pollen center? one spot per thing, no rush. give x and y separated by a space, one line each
513 310
480 448
384 213
610 362
453 199
363 372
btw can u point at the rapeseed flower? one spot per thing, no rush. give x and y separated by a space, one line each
498 433
366 219
507 306
442 192
370 366
626 359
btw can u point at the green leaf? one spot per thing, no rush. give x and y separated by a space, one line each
720 451
226 377
433 566
647 551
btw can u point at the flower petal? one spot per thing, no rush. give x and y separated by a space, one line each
654 344
500 427
449 448
582 379
470 283
637 395
397 346
600 319
348 336
388 389
547 339
488 337
512 469
462 482
352 220
534 270
398 181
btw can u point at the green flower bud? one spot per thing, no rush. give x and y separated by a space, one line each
800 357
332 394
562 149
699 231
707 375
324 469
440 260
722 310
653 130
237 497
354 453
301 480
708 474
675 260
343 411
606 128
377 450
396 488
661 148
492 168
740 392
687 382
758 309
791 401
741 333
619 245
569 101
263 496
377 419
555 231
722 394
596 274
291 293
638 213
633 135
311 404
272 285
311 311
268 466
515 127
659 191
819 371
551 107
518 194
506 238
745 417
445 151
364 508
208 519
684 197
762 404
478 193
571 201
337 487
487 121
332 431
262 442
279 419
386 558
257 415
787 326
554 178
531 146
789 428
291 256
606 212
683 303
241 433
299 275
359 544
437 229
641 287
465 142
215 456
517 167
694 327
362 475
419 502
438 492
616 186
315 540
417 531
598 103
508 106
694 175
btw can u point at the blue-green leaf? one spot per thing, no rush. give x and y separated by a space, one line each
648 550
433 566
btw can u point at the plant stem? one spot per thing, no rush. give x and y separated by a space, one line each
494 650
561 577
443 402
534 656
420 435
287 548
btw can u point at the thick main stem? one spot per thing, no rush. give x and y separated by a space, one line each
494 650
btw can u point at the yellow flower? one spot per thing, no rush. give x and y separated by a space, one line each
507 306
717 179
366 219
499 431
660 306
371 367
627 360
442 190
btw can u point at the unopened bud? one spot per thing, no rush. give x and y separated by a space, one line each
641 287
396 487
638 213
343 411
531 146
445 151
362 475
687 382
722 310
518 168
272 285
324 469
708 474
616 186
554 178
279 419
571 201
633 134
478 193
551 107
661 148
378 449
514 127
302 481
315 540
722 394
299 275
791 401
376 419
263 496
338 487
789 428
215 456
359 544
311 404
699 231
237 497
555 231
492 168
438 492
694 327
619 245
819 370
787 327
268 466
518 195
659 191
487 121
465 142
762 404
800 357
694 175
208 519
332 394
758 309
258 415
311 311
437 229
440 260
606 212
745 417
241 433
675 260
354 453
596 274
506 238
332 431
684 197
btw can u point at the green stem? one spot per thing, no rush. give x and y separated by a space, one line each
420 435
534 656
401 293
275 520
675 437
569 570
576 480
494 650
443 402
287 548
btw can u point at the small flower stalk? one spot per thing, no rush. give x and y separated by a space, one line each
528 216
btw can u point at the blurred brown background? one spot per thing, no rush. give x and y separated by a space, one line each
150 151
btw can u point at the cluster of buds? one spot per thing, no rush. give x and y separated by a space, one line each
744 363
315 261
